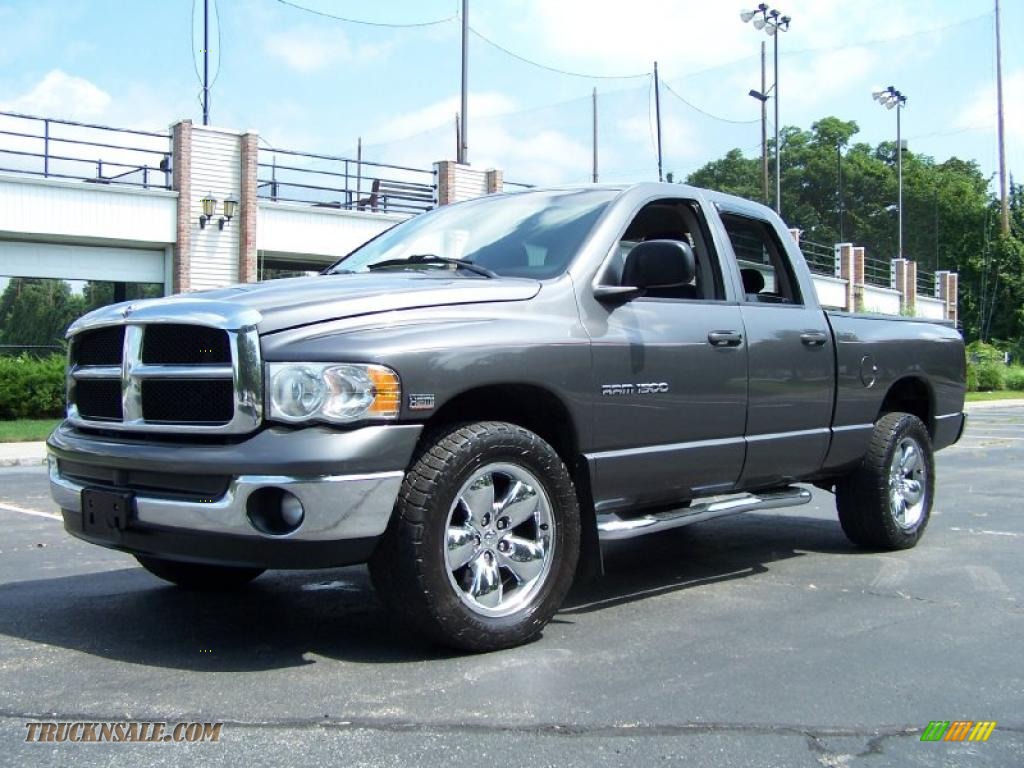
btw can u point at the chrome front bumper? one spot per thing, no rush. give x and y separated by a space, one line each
336 507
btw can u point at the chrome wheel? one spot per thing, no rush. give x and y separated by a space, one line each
908 484
500 540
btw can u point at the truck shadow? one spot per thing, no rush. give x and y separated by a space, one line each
286 619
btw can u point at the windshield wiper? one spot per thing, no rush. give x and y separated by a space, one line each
429 258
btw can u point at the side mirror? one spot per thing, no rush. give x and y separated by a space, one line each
659 264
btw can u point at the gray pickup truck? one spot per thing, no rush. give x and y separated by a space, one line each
475 399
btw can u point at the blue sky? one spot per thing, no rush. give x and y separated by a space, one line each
310 83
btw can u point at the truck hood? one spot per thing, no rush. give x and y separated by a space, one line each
275 305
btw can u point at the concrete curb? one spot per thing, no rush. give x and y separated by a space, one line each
984 404
22 454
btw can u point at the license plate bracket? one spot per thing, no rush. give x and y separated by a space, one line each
106 513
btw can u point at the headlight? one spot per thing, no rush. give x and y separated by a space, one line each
339 393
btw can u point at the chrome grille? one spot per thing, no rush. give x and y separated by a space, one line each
165 377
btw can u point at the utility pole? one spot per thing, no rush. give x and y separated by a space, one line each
462 154
594 109
778 162
899 172
1003 194
764 124
206 62
839 187
657 116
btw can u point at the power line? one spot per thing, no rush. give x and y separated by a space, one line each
693 106
537 64
365 23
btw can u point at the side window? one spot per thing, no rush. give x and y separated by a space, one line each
763 264
671 220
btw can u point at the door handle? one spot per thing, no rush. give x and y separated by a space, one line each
814 338
725 338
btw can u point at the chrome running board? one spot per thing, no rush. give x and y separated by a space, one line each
611 527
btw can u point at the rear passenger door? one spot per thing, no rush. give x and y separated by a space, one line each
790 354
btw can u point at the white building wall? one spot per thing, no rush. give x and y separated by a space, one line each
55 209
883 301
831 291
933 309
305 230
82 262
216 171
469 183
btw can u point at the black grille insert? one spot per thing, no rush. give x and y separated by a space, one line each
188 401
99 398
176 344
102 346
197 487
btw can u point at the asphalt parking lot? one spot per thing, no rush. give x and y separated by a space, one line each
760 640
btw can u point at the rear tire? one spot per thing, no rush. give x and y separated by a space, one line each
887 501
483 543
198 576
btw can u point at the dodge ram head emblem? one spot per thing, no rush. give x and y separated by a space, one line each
648 388
127 310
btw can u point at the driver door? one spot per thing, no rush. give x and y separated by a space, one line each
670 376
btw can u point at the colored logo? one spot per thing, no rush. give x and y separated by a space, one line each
958 730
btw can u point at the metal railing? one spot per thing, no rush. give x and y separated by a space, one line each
820 258
101 154
330 181
925 282
877 272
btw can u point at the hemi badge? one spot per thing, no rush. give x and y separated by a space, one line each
421 402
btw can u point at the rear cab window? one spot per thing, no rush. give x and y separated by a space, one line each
761 260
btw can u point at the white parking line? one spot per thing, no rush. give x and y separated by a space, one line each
25 511
987 533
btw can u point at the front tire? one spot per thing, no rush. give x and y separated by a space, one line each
483 543
198 576
887 501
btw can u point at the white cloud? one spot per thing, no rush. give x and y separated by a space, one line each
64 95
309 49
523 152
980 112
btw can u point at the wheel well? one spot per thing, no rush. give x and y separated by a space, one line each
910 395
534 408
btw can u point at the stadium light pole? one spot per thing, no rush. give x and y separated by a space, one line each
889 98
772 22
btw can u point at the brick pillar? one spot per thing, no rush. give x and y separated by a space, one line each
445 170
181 182
495 181
948 283
904 279
858 279
844 271
247 209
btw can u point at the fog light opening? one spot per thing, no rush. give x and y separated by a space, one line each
274 511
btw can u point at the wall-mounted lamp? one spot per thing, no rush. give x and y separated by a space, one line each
229 212
209 206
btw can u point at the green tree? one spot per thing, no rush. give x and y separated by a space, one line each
36 311
950 219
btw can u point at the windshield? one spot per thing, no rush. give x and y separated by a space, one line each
528 234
